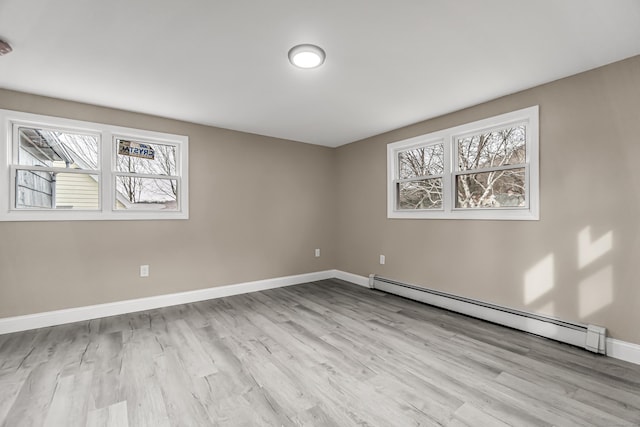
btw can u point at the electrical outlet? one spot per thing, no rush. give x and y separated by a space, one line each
317 253
382 259
144 271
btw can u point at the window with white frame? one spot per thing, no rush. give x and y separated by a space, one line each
482 170
59 169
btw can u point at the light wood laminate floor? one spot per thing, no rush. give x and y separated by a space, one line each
320 354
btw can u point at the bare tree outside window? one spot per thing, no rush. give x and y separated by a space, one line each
423 194
166 156
487 169
156 183
422 161
420 173
129 186
58 148
83 149
491 172
53 189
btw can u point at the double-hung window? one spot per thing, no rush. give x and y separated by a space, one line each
146 175
482 170
58 169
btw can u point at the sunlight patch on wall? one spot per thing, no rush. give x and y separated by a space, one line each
548 309
589 250
595 292
538 280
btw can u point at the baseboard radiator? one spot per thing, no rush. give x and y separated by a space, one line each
589 337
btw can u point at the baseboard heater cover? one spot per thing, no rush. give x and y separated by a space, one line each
589 337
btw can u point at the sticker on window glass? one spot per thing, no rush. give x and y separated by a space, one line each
135 149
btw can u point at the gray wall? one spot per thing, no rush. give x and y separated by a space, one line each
590 211
259 206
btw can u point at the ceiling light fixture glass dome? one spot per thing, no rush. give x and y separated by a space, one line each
306 56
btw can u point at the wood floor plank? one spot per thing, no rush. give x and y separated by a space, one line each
70 400
140 384
567 407
112 416
105 356
190 350
32 403
556 378
11 383
471 416
326 353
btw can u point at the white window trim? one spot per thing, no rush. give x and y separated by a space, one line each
107 172
448 137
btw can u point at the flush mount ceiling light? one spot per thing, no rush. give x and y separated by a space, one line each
306 56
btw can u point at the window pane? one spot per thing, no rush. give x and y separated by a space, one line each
49 190
423 161
146 193
145 158
41 147
505 188
422 194
491 149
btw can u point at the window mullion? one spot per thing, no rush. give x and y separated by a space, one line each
107 165
56 170
15 143
493 169
448 191
418 178
146 175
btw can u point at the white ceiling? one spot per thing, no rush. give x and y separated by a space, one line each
224 62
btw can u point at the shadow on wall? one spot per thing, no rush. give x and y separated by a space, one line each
593 264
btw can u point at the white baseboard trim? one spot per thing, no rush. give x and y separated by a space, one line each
353 278
623 350
617 349
78 314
